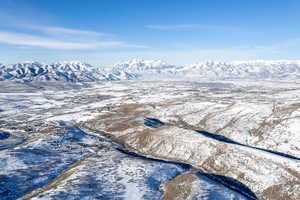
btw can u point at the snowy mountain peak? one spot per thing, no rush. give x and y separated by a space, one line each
214 70
244 69
144 66
73 71
73 63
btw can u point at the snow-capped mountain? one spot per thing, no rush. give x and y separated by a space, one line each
120 75
150 69
61 71
214 70
145 66
243 70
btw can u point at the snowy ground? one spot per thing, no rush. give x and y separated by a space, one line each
64 141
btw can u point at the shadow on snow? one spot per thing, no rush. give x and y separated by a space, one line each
222 138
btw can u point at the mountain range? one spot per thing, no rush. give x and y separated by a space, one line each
149 69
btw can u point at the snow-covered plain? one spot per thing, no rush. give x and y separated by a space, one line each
198 140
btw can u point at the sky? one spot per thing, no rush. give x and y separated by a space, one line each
103 32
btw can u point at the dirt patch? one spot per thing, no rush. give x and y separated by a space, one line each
179 188
272 193
120 119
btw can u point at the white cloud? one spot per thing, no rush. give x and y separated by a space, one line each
187 26
61 38
50 43
55 30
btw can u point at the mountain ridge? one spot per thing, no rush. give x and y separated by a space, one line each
75 71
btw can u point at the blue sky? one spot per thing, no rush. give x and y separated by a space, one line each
178 31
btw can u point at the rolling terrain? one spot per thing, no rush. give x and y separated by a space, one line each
94 138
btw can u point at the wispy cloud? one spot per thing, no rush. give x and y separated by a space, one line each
55 30
61 38
187 27
50 43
